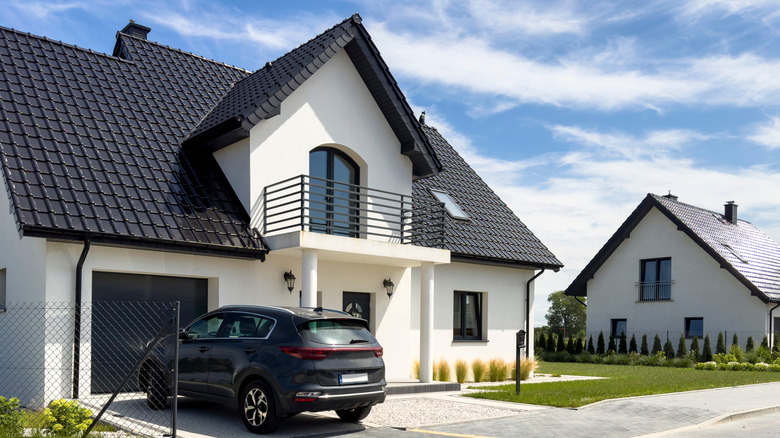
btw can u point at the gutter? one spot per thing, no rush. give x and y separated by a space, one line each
771 333
77 322
528 309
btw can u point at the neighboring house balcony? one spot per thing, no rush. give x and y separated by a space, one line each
655 290
357 222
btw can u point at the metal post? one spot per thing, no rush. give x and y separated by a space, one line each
175 391
520 345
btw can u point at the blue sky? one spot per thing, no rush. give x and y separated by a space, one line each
572 111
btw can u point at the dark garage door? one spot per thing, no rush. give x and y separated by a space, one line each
120 331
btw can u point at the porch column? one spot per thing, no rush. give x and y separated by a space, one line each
309 282
426 322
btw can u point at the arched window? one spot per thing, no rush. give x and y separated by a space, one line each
333 198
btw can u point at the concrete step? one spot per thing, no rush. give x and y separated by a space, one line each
395 388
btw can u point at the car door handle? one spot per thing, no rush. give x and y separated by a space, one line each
250 350
203 349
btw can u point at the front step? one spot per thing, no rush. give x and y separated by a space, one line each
396 388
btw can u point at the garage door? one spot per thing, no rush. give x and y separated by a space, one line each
123 321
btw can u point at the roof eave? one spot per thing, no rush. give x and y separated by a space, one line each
492 261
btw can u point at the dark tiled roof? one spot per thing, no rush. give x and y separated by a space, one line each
260 95
90 144
493 233
759 272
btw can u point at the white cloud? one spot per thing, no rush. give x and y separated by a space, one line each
42 10
527 18
655 144
698 8
767 134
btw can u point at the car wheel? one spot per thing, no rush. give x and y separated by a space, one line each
157 390
354 415
258 408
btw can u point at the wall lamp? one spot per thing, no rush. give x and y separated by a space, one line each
289 278
389 286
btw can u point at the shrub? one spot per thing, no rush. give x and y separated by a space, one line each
612 348
617 359
669 349
632 344
737 353
570 346
478 370
578 345
11 418
442 368
695 355
497 370
682 351
461 370
775 347
735 340
561 345
720 347
760 366
682 362
591 349
590 358
512 368
526 367
765 342
416 369
653 360
710 366
541 344
774 367
749 345
622 348
706 352
550 343
657 345
600 344
558 356
65 417
644 350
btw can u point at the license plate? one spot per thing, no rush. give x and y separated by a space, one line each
348 379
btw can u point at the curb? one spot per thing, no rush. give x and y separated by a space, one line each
720 419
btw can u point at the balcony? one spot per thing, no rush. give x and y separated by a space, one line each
306 203
655 290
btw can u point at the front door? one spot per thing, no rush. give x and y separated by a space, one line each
358 304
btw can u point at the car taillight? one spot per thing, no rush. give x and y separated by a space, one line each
322 353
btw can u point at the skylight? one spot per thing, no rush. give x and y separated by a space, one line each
450 205
736 254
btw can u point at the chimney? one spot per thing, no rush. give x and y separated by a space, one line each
136 30
422 118
670 196
731 212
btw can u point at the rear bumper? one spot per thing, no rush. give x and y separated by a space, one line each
337 398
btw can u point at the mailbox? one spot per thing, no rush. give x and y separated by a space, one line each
521 339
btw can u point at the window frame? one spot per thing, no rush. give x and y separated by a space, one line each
450 205
333 225
657 287
459 303
688 321
3 290
613 324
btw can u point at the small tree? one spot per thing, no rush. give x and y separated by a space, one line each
570 346
591 350
550 343
765 342
578 345
735 340
561 345
632 344
775 346
611 348
656 345
600 344
695 355
542 342
720 347
749 346
668 349
622 347
682 351
706 352
644 351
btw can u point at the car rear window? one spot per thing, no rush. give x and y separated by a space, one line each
336 332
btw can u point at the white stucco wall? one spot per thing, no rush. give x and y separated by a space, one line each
701 289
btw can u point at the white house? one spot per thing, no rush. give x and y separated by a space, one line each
674 268
155 164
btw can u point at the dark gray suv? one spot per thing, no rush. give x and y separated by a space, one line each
274 362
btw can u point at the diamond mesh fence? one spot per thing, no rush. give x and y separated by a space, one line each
105 366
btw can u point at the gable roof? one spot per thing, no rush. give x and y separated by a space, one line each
260 95
493 234
90 146
759 272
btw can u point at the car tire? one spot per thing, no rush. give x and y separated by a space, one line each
354 415
157 390
258 408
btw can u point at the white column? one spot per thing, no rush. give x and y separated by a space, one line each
309 281
426 322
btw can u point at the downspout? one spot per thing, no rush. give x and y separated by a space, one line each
528 310
77 322
771 333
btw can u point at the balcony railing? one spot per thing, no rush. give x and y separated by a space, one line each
655 290
324 206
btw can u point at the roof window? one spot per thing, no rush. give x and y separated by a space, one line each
734 251
450 205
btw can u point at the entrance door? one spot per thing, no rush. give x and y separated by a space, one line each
358 304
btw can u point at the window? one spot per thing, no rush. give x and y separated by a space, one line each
694 327
333 198
655 281
248 326
450 205
618 327
2 290
467 316
206 328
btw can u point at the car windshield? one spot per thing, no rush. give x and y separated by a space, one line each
336 332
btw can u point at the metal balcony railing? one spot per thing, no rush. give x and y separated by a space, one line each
325 206
655 290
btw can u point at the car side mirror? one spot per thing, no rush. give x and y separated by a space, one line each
182 334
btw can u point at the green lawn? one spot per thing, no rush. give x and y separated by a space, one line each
622 381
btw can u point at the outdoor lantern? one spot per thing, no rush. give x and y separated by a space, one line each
389 286
289 278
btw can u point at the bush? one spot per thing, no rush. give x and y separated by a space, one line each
600 344
497 370
632 344
737 353
11 418
617 359
479 369
720 347
443 371
644 350
749 346
622 348
526 367
669 349
550 343
461 370
657 345
682 351
706 352
558 356
775 347
561 345
710 366
570 346
541 344
765 342
694 353
681 362
591 350
612 348
653 360
64 417
735 340
578 345
416 369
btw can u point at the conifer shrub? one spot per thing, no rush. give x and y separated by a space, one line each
622 347
591 349
578 345
550 343
644 350
600 349
461 370
720 347
775 346
657 345
682 351
541 344
706 352
570 346
478 370
561 345
632 344
749 345
611 348
695 353
669 349
765 342
735 340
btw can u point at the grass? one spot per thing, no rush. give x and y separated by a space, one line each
622 381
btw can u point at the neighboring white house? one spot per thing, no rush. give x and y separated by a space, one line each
153 163
673 268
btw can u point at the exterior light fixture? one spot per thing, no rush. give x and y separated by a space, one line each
289 278
389 286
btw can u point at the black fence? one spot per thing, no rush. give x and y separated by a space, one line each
89 360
